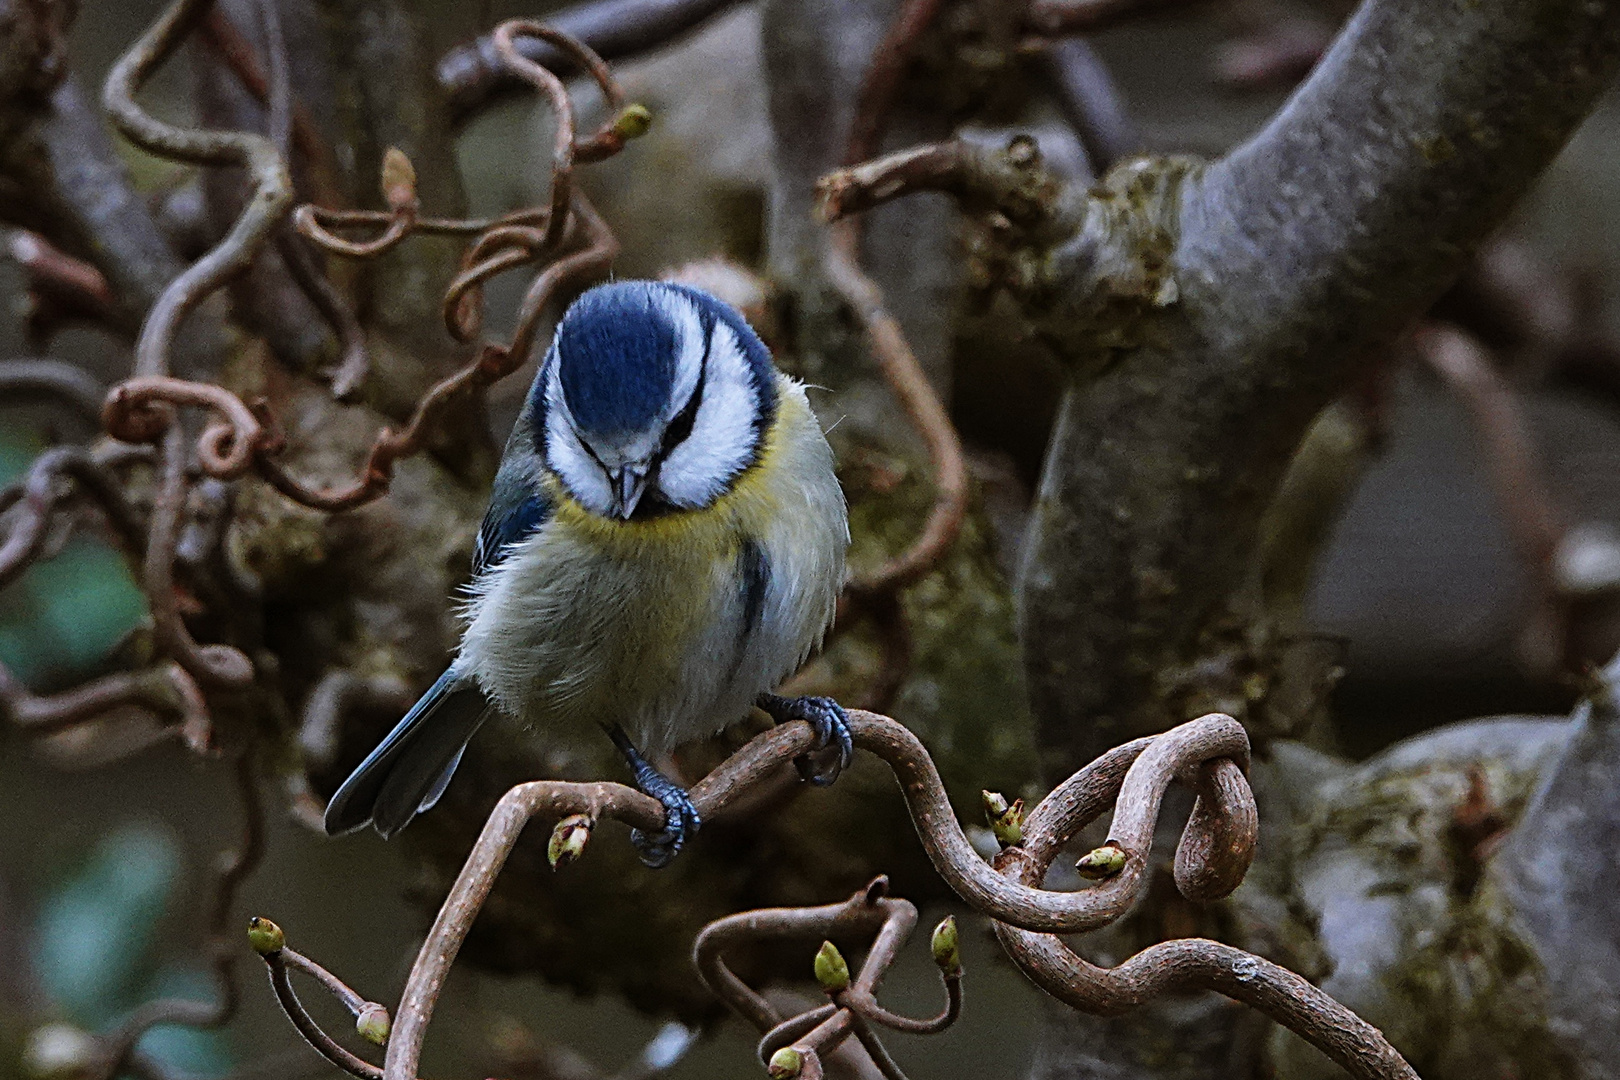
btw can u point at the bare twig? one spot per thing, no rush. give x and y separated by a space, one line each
922 405
502 243
1215 850
166 689
883 74
1534 522
816 1032
60 286
272 196
220 666
905 376
613 29
370 1017
39 493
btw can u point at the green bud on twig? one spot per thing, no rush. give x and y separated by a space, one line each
633 121
265 936
1103 862
831 970
785 1064
373 1024
568 839
947 953
1006 819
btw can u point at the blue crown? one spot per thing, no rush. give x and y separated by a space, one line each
616 357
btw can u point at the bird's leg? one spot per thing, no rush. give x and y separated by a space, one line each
830 723
681 821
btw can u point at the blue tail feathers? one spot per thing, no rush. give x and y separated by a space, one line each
410 769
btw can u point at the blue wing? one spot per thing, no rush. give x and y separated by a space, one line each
517 507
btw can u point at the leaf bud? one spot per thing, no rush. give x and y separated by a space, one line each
832 972
633 121
568 839
1006 819
398 180
265 936
1103 862
945 944
373 1024
785 1064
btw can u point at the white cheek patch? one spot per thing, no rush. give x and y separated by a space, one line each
567 456
723 438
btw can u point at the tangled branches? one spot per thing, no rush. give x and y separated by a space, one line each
1209 755
566 239
794 1046
568 231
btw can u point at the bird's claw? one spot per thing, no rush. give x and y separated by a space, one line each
681 820
828 720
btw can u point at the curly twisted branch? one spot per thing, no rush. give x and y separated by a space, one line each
1208 754
854 1008
245 437
272 196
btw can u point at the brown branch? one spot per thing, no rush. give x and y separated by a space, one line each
272 197
921 404
501 243
166 689
61 286
904 374
1216 847
613 29
234 48
212 665
38 495
1072 805
816 1032
1009 182
875 97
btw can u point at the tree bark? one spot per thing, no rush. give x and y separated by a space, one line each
1276 271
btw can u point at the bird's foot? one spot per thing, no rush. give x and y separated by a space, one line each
830 723
681 821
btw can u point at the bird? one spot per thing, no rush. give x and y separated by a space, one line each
664 544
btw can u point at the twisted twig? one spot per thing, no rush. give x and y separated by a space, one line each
888 342
272 196
1216 847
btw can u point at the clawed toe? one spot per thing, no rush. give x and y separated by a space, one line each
681 821
829 721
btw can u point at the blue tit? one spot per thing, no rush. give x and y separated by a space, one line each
664 544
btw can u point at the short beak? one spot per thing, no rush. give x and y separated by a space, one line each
629 481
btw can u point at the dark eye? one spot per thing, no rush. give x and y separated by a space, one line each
680 428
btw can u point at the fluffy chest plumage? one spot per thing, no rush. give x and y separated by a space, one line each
670 626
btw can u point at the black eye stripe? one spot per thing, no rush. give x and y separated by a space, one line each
680 427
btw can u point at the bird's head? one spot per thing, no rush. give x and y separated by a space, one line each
653 398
